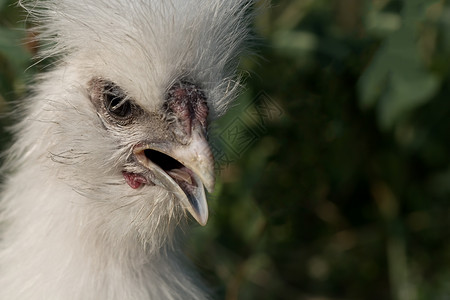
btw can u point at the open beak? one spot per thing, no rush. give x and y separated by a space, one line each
184 170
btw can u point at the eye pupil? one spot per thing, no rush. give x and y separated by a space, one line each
115 101
118 106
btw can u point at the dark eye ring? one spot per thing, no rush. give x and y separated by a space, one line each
116 102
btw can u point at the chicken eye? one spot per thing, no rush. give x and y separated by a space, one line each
116 101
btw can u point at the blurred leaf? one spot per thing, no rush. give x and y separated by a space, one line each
3 3
10 15
10 47
397 77
295 42
16 59
382 23
405 92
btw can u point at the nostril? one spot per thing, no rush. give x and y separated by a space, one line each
164 161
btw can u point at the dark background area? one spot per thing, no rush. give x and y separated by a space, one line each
334 169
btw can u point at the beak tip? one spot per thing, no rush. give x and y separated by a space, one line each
201 216
203 222
196 203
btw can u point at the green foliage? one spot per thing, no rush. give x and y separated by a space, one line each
334 167
3 4
397 76
14 58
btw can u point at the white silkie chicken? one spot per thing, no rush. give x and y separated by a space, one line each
111 150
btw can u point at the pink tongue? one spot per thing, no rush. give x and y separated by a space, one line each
134 180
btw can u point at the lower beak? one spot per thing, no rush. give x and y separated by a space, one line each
188 179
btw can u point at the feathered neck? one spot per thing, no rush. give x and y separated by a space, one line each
57 243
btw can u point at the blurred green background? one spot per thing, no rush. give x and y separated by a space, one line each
334 164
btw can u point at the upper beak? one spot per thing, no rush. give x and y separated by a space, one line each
187 180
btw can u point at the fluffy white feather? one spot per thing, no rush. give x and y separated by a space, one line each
70 227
